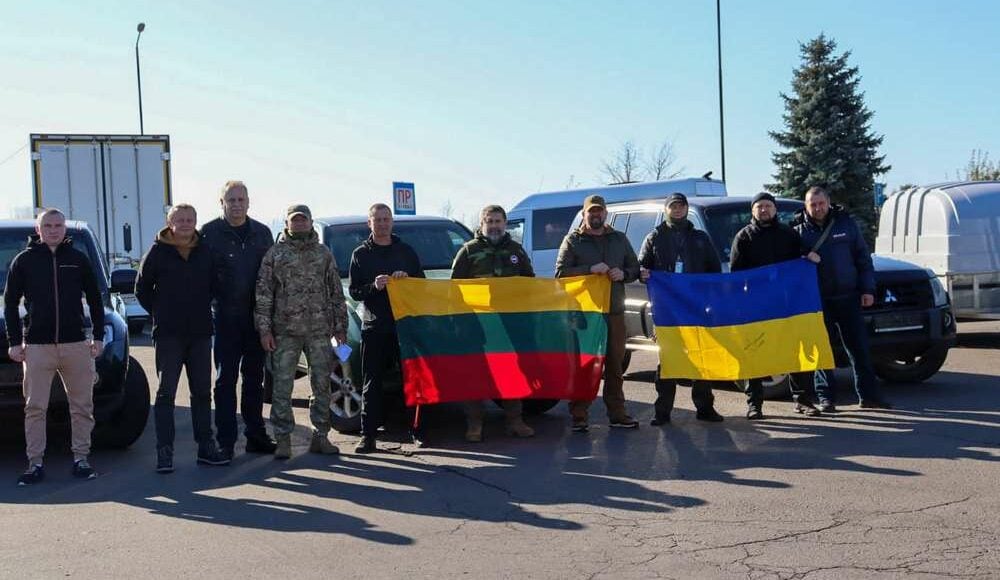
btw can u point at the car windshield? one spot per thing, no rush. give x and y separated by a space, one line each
436 242
724 221
13 240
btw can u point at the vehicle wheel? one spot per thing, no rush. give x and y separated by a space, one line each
777 387
532 407
626 361
345 405
913 370
129 422
136 326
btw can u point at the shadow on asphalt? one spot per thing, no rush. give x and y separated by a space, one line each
535 482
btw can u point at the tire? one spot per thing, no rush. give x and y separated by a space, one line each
626 361
129 422
345 405
914 370
136 326
532 407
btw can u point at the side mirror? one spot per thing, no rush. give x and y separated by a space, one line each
123 281
127 237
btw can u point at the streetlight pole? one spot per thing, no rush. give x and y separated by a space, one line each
722 123
138 76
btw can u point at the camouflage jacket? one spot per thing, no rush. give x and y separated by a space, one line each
481 258
299 292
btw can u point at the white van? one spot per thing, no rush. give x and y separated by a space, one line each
952 229
541 220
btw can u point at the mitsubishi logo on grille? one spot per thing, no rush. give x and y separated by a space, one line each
889 297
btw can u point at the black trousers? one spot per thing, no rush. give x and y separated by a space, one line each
194 355
800 384
238 352
379 352
666 392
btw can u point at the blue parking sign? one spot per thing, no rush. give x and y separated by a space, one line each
404 200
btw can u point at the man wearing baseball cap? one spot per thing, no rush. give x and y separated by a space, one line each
596 248
300 306
676 246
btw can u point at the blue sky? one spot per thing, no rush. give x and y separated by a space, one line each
477 102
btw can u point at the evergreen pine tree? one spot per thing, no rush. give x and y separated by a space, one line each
828 138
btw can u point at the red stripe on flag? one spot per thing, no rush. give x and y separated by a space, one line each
509 375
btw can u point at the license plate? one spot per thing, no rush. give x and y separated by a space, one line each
899 322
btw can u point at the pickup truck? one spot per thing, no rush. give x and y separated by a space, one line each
911 326
121 393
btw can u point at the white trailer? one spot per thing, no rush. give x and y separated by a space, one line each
119 184
952 229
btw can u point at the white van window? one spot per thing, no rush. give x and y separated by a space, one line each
640 223
550 226
516 230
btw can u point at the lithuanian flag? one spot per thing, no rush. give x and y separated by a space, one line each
743 325
501 338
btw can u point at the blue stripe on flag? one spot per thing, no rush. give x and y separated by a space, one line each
767 293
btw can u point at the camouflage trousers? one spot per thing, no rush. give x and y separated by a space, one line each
284 361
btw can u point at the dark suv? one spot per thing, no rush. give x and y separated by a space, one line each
121 393
911 326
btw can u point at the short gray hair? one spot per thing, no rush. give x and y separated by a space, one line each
377 206
47 212
181 206
230 185
493 208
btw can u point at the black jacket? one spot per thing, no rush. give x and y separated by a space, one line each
237 261
176 292
51 285
759 245
370 260
666 242
845 266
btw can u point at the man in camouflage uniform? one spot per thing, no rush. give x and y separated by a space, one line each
492 254
300 306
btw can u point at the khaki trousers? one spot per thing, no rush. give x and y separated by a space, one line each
614 380
76 368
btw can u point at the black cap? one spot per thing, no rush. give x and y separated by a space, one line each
676 196
760 197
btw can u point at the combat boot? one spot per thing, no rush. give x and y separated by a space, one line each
320 444
515 423
284 446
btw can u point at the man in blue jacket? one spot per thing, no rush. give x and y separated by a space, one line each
832 239
238 245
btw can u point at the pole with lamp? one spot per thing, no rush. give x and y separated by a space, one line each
722 124
138 76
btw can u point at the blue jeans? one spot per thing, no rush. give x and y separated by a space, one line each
238 352
846 327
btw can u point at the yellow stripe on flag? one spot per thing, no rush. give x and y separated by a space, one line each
745 351
422 297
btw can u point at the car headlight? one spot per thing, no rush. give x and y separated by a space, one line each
940 294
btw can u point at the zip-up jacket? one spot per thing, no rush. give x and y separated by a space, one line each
759 245
481 258
237 263
370 260
175 290
51 284
845 266
668 242
580 250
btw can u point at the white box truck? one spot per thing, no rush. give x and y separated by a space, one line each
119 184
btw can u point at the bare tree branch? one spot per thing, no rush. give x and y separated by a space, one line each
660 163
624 168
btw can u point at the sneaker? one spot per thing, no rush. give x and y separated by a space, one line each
209 454
710 415
83 470
34 474
261 444
827 407
366 445
875 404
322 445
580 426
660 420
165 459
754 414
807 409
625 422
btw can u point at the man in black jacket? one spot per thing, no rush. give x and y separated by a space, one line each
764 241
676 246
51 277
382 257
832 239
238 244
175 285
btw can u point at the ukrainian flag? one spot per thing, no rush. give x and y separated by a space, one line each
742 325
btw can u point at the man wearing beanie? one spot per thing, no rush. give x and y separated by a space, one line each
765 240
676 246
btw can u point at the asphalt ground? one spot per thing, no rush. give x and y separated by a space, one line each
865 494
